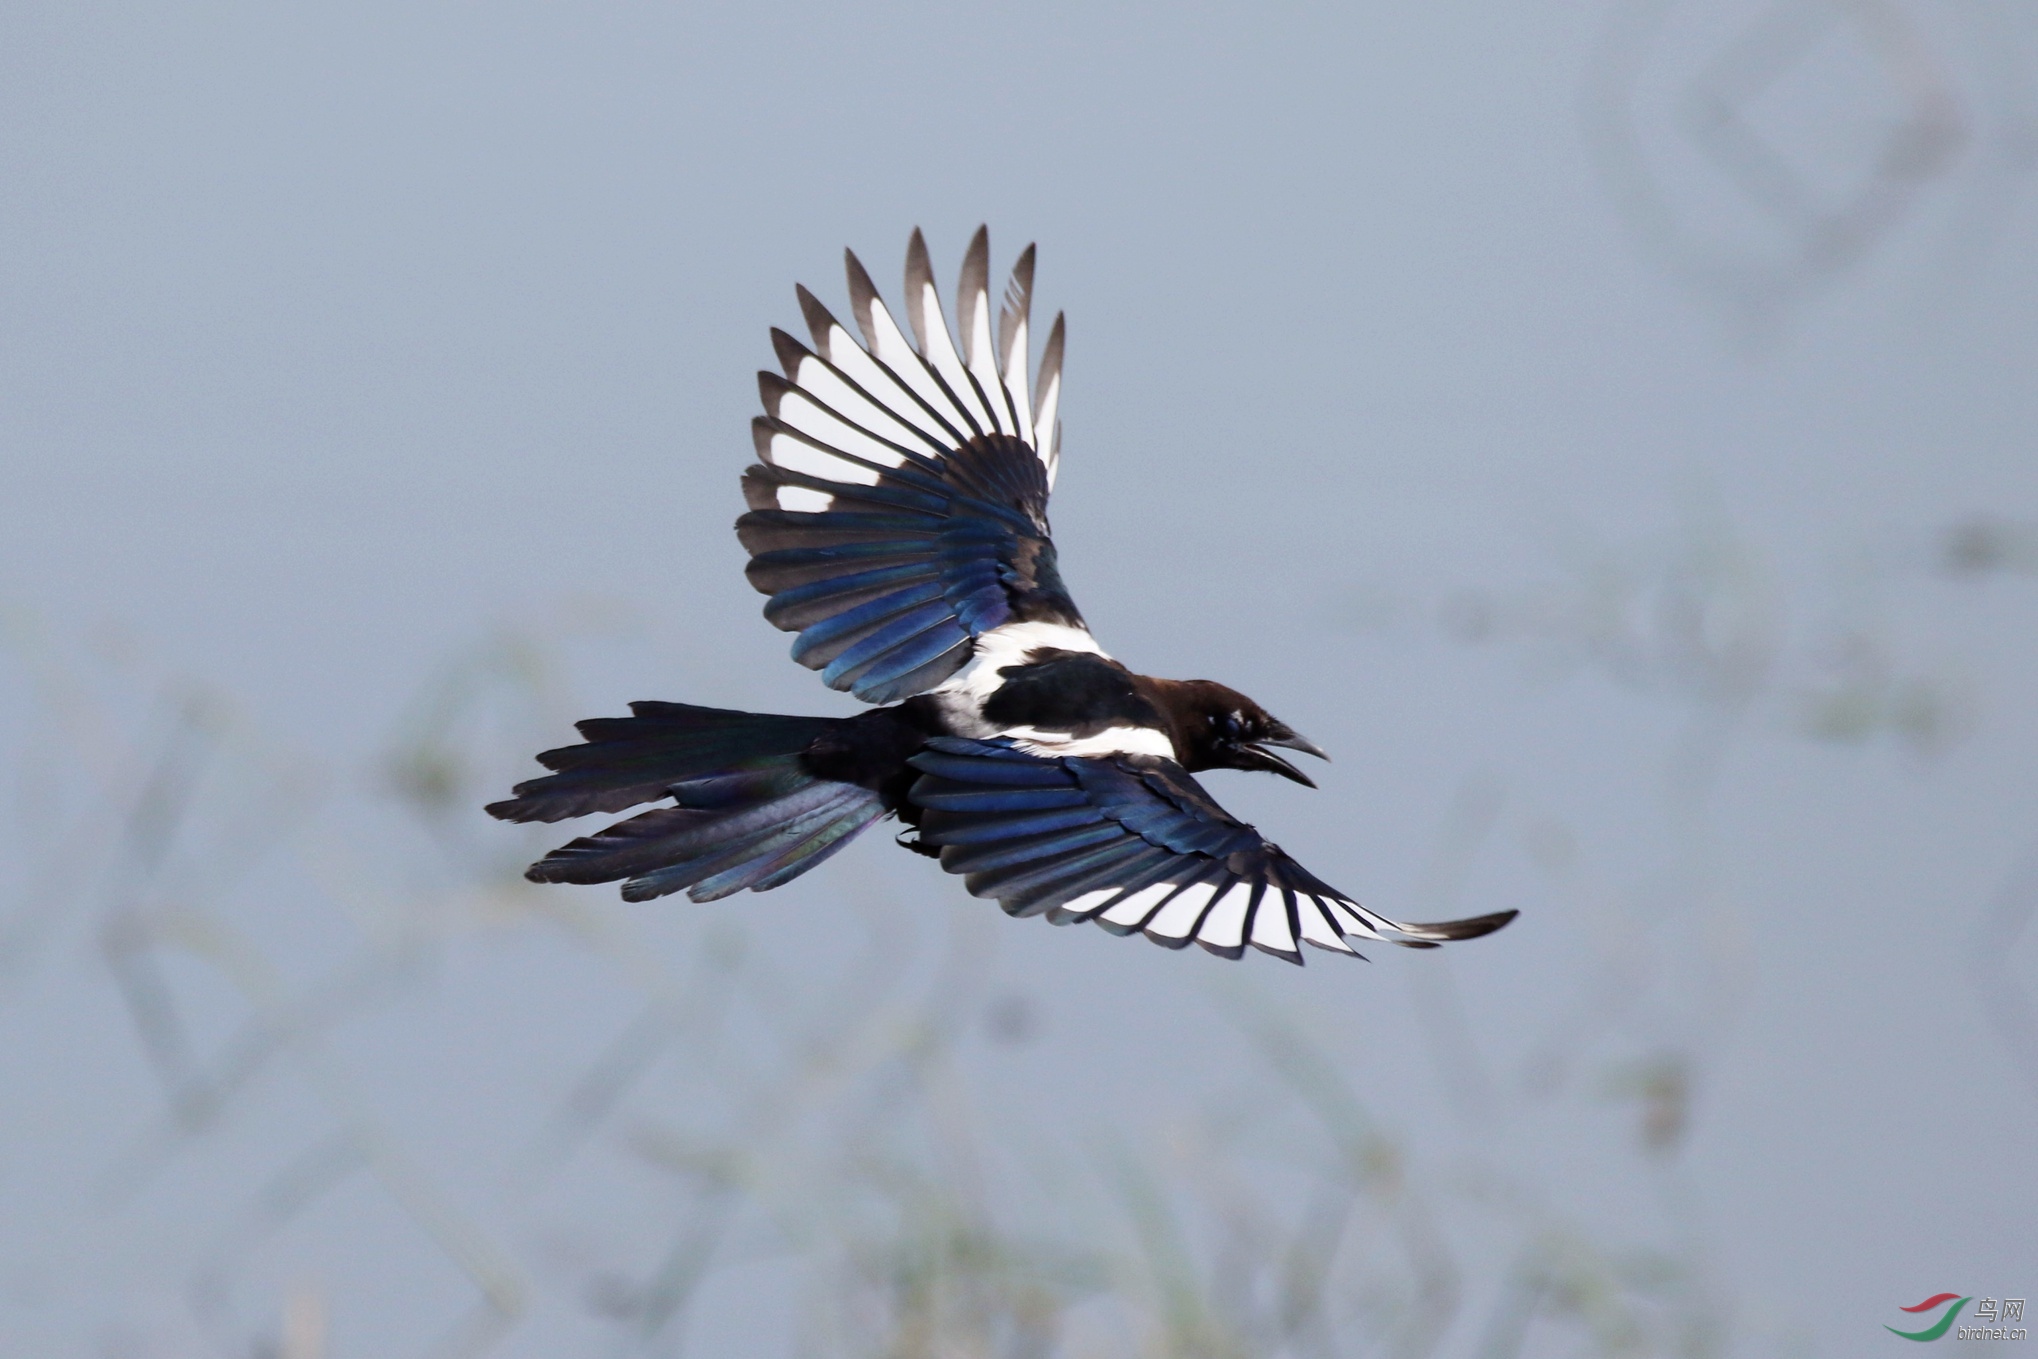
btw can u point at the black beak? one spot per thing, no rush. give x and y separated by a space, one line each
1252 757
1255 756
1258 758
1288 739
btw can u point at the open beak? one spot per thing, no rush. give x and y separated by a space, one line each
1288 739
1255 756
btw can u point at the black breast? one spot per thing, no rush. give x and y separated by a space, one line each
1077 692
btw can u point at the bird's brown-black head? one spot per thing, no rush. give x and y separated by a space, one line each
1216 727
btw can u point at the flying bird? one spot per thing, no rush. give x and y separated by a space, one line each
898 524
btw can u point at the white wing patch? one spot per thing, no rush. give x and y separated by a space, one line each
1346 915
818 378
1173 922
808 416
1113 855
1047 403
872 397
1132 912
1110 741
887 387
930 330
802 500
888 345
1317 928
1224 925
800 453
973 317
1215 915
1013 320
1270 926
962 695
1081 907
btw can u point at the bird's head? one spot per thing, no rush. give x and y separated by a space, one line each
1216 727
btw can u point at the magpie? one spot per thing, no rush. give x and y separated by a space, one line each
898 523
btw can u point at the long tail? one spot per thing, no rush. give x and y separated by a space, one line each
756 804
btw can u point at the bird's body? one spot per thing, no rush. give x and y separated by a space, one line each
898 522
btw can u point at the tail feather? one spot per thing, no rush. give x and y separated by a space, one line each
761 799
764 862
668 835
626 761
812 851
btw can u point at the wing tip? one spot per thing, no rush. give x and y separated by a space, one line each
817 316
1471 927
973 291
1050 360
771 390
789 352
1285 955
515 809
1168 941
863 296
919 281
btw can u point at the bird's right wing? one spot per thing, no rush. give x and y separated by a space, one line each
1135 844
900 510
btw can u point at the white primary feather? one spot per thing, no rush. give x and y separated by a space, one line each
1316 925
1176 919
1015 383
1354 919
1224 926
1014 322
973 320
1270 926
927 385
816 377
800 410
835 344
795 454
930 328
1047 401
888 344
804 500
1134 909
1070 911
984 367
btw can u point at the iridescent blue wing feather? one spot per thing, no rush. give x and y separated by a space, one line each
1134 843
899 510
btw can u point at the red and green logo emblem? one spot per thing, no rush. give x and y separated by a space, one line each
1939 1327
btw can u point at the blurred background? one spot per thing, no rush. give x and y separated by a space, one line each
1606 427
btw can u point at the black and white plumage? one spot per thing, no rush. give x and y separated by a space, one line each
898 524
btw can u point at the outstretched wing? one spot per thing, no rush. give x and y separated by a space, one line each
1135 844
900 510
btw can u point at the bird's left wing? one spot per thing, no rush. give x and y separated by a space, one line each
1134 843
900 509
